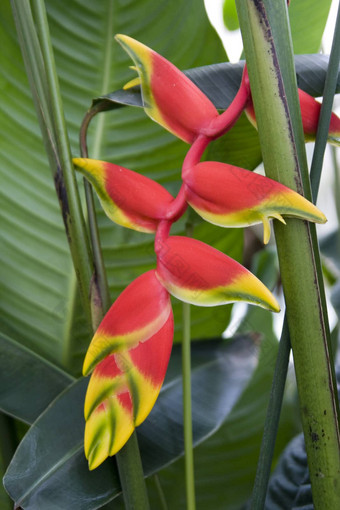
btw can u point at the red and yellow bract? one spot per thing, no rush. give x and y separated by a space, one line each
129 356
230 196
128 198
199 274
310 113
169 97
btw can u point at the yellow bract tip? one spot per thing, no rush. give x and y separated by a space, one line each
132 83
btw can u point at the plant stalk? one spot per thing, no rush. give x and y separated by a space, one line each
187 414
271 424
38 57
268 51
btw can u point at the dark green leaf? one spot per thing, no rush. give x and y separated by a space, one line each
28 383
60 477
225 464
289 477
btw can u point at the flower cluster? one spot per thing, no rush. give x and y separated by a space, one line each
129 353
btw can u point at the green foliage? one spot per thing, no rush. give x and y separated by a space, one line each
43 328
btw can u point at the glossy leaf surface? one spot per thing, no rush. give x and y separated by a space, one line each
220 373
28 383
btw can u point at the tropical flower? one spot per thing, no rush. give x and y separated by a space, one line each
230 196
128 198
169 97
199 274
129 356
310 113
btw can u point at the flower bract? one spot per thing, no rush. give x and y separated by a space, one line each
169 97
310 113
199 274
230 196
128 355
128 198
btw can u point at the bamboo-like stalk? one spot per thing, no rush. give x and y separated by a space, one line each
40 67
268 51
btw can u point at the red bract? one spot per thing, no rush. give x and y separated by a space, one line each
230 196
310 113
128 198
129 354
169 97
199 274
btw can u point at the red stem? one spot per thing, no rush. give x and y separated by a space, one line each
162 233
221 124
195 153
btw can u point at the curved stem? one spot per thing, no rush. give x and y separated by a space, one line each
195 153
100 293
178 206
227 119
161 234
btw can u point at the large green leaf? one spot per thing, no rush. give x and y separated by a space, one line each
37 278
221 370
28 383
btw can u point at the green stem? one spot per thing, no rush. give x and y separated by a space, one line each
187 415
326 109
160 492
39 61
268 50
131 476
272 421
103 302
280 373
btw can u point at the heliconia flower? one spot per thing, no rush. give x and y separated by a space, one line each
128 198
310 113
230 196
129 355
199 274
169 97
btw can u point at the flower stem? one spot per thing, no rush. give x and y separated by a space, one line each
272 421
227 119
187 416
131 476
326 109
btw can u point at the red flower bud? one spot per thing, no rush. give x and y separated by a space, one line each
199 274
230 196
128 198
169 97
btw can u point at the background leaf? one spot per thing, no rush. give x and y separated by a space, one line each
28 383
42 302
220 373
230 15
307 22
